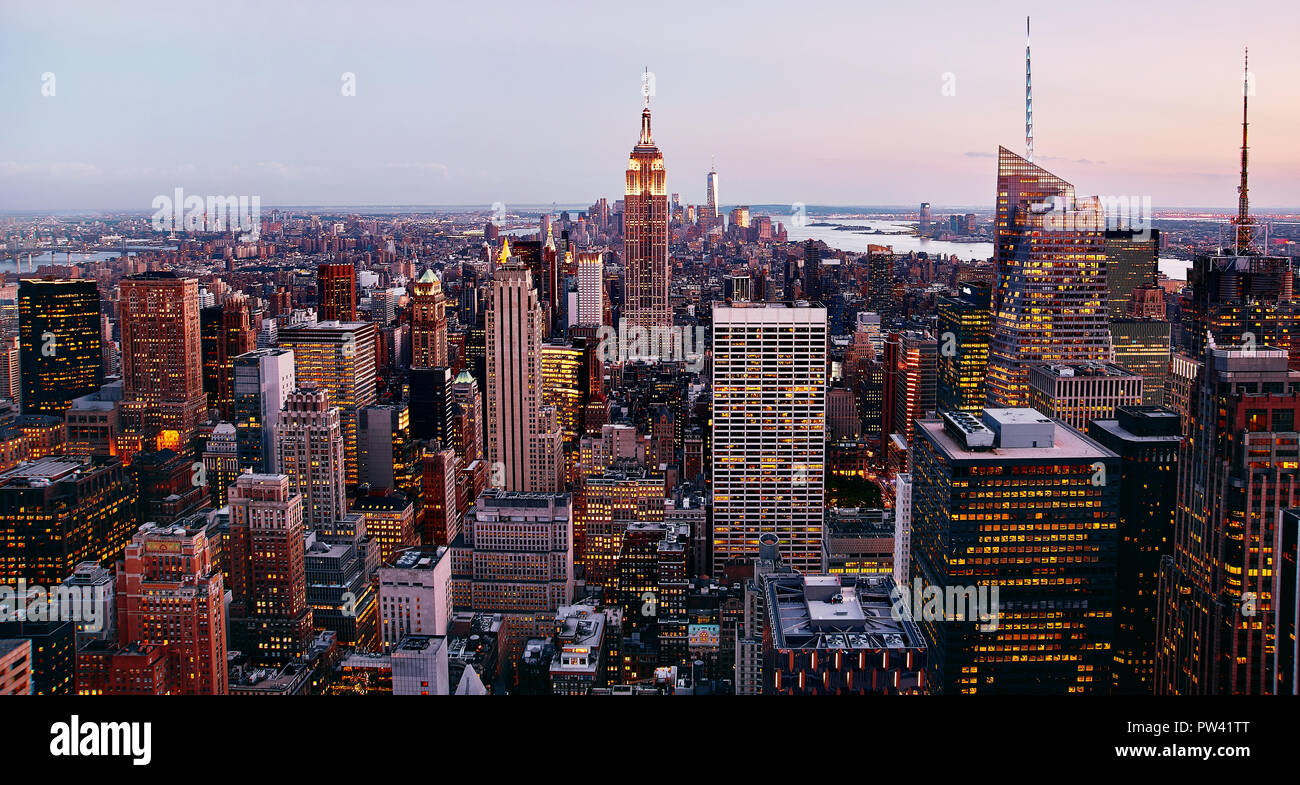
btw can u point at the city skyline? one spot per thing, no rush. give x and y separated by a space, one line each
654 442
781 130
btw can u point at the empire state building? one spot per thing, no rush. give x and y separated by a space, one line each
645 234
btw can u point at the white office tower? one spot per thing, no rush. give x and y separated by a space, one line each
414 594
591 288
902 531
769 430
420 666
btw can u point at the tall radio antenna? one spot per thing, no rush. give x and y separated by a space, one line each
1029 102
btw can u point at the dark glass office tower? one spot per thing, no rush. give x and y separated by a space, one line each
1243 300
430 405
1131 262
1019 513
54 652
812 271
225 332
1147 439
963 333
880 286
59 343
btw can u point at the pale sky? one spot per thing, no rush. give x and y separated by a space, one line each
534 102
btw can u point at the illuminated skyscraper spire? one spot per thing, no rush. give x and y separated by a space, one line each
645 230
1244 221
645 113
504 257
1029 102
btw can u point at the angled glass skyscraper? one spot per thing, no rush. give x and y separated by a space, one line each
1050 301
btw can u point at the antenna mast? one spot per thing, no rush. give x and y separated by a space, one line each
1029 102
1244 221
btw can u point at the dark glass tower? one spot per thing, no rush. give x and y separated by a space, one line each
1147 439
1013 503
963 333
59 343
1131 262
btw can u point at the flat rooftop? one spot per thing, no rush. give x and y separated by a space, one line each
1067 443
1085 369
837 612
52 469
417 558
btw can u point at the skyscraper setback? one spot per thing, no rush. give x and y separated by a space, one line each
645 234
309 450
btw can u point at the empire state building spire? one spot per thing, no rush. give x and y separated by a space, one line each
645 233
645 126
645 113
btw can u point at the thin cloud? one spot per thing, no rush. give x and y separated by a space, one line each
420 166
1084 161
289 171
